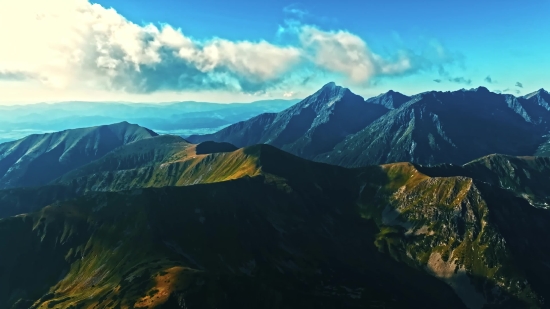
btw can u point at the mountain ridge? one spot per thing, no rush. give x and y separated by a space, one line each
427 128
314 124
38 159
424 226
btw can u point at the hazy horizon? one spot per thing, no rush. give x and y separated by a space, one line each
256 99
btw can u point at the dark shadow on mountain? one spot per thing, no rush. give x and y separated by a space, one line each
18 201
214 147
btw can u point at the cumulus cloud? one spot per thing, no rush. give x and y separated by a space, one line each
63 43
348 54
518 84
68 44
289 94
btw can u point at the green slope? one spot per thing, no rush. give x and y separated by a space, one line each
209 245
158 162
268 229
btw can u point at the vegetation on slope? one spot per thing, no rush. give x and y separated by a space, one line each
526 177
266 228
207 246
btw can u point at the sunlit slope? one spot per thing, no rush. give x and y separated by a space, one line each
159 162
526 177
471 235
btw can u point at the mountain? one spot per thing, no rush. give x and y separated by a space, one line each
38 159
540 97
159 162
526 177
390 99
428 128
446 127
314 125
183 118
258 227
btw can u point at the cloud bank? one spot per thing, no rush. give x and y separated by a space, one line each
73 44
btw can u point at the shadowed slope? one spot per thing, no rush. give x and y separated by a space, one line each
286 232
278 246
310 127
335 126
38 159
213 147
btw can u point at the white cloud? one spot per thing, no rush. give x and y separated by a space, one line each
68 43
346 53
73 44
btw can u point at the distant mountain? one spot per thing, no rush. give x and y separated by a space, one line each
447 127
312 126
428 128
182 118
38 159
390 99
264 228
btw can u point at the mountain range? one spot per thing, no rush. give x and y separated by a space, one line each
253 216
338 127
182 118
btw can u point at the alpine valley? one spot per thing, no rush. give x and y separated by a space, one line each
438 200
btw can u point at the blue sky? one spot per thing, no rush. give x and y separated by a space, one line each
246 50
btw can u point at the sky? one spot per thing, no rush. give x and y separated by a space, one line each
244 50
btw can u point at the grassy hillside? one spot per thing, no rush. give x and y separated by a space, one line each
206 246
268 229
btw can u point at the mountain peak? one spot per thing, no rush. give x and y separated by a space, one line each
391 99
329 85
332 89
482 89
539 93
324 97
